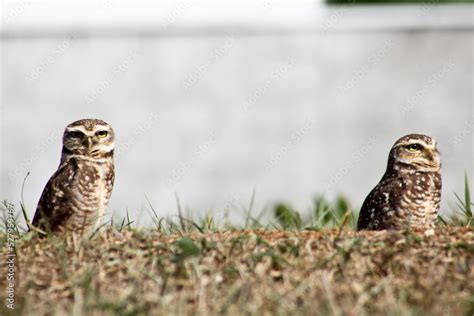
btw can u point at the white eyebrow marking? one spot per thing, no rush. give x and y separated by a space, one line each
76 129
101 128
87 132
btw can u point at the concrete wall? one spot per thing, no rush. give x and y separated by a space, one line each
213 117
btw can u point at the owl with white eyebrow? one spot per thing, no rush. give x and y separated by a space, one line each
77 194
409 193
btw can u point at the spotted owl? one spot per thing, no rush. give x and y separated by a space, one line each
409 193
76 196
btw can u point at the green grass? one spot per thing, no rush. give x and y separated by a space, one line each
461 214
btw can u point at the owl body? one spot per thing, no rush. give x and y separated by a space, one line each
409 193
76 196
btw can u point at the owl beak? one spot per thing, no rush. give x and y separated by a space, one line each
433 155
89 143
429 155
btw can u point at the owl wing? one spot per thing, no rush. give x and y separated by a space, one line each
110 179
50 212
383 198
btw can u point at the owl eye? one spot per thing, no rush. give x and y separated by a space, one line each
414 147
75 134
102 134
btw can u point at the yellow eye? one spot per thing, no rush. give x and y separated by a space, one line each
102 134
414 147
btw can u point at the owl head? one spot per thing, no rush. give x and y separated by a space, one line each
89 137
415 152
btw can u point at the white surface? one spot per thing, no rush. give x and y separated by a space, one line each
213 117
292 100
129 17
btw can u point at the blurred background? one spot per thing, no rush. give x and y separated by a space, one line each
219 103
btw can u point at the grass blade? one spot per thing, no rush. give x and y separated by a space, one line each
467 196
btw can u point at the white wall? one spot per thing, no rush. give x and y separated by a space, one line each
211 117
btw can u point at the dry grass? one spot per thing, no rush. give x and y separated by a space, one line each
255 272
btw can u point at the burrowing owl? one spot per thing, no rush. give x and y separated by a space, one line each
409 193
78 193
